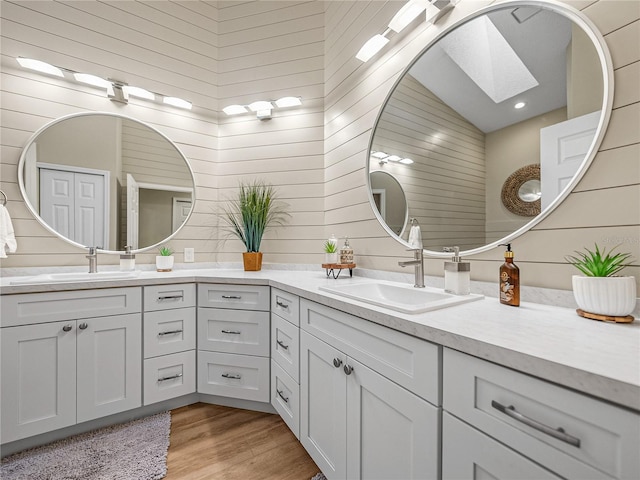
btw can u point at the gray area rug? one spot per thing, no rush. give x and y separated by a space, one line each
130 451
319 476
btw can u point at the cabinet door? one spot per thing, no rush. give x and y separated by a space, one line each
38 379
323 390
109 365
391 433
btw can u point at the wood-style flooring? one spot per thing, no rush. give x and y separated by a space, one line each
222 443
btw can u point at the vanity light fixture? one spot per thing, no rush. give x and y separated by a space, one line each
407 14
263 108
235 109
139 92
373 46
177 102
39 66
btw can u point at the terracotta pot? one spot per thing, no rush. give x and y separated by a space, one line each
164 263
613 296
252 261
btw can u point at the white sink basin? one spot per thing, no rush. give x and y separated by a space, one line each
74 277
399 298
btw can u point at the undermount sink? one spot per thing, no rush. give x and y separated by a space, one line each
399 298
74 277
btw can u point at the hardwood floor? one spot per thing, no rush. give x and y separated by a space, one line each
222 443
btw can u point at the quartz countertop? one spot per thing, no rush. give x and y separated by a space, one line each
553 343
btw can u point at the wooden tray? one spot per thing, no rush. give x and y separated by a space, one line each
605 318
332 268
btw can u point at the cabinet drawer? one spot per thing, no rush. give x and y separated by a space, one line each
169 376
169 331
31 308
245 297
516 409
408 361
233 331
237 376
162 297
286 305
285 346
285 397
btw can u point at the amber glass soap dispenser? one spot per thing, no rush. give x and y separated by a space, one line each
509 279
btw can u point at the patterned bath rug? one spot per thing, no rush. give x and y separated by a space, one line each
319 476
135 450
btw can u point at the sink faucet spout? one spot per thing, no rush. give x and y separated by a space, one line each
418 264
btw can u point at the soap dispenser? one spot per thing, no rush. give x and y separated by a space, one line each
509 279
457 274
127 260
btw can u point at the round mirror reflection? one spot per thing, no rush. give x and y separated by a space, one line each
100 179
530 191
467 113
390 201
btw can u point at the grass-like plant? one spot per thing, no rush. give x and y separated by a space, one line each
599 263
330 247
165 251
255 210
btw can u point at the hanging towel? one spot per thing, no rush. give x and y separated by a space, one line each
7 236
415 237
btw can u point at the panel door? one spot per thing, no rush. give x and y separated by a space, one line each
323 413
38 379
109 365
391 433
90 223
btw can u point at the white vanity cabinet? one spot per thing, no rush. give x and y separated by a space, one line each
363 398
68 357
233 341
531 420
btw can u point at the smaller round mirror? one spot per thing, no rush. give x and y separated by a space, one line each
390 200
530 191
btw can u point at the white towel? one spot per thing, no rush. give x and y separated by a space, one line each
7 236
415 237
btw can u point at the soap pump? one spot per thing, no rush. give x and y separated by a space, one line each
457 274
509 279
127 260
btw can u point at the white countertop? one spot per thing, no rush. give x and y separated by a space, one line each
553 343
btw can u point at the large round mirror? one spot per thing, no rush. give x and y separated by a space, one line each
106 180
512 85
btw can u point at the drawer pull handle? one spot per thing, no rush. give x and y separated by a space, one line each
557 433
67 328
169 332
348 369
231 332
282 305
172 377
170 297
281 343
337 362
231 375
231 297
83 326
281 395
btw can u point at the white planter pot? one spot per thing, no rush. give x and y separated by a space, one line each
614 296
331 257
164 264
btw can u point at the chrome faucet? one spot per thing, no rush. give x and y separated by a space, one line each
93 259
418 264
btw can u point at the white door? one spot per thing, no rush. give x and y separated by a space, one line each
109 365
133 212
90 224
323 395
563 147
38 379
391 433
181 209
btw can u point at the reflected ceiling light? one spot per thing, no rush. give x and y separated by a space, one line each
437 8
407 14
235 109
92 80
263 108
519 105
373 46
379 155
406 161
394 158
138 92
39 66
288 102
177 102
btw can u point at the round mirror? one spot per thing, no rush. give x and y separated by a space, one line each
106 180
390 201
510 86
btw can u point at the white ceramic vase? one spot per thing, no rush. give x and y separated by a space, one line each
164 263
613 296
331 257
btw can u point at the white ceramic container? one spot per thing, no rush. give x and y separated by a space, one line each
164 263
614 296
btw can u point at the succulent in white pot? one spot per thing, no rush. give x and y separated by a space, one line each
164 261
601 291
330 252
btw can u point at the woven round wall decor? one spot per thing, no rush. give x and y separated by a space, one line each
510 198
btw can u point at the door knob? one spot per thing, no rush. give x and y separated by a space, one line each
348 369
67 328
83 325
337 362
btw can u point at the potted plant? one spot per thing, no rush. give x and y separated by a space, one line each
601 291
330 252
249 215
164 261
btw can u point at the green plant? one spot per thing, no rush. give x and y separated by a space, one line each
165 251
599 263
330 247
255 210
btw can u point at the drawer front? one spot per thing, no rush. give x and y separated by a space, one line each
285 346
233 331
286 305
408 361
169 331
31 308
169 376
163 297
285 398
237 376
245 297
525 413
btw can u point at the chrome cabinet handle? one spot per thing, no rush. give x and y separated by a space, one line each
282 344
169 332
348 369
170 297
337 362
231 297
231 375
281 395
557 433
83 326
282 305
171 377
67 328
231 332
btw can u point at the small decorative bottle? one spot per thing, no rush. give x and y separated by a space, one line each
509 279
346 253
